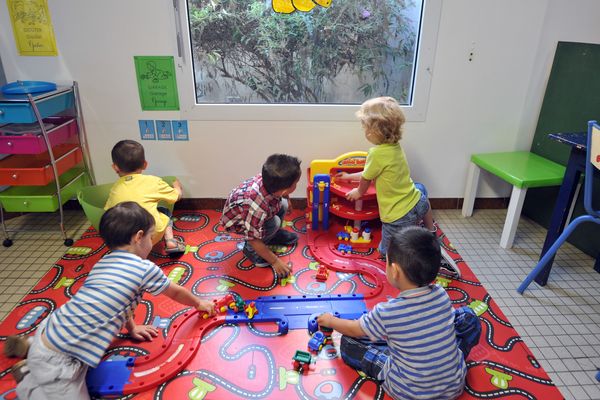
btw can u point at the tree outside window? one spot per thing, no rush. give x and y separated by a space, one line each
245 52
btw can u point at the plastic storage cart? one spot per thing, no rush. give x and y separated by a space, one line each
48 161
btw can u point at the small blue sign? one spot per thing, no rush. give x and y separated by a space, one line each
147 131
180 130
163 129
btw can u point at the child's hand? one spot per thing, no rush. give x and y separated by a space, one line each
143 332
177 186
281 268
325 319
290 206
343 176
206 306
353 195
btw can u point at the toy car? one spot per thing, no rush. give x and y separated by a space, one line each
343 235
344 248
322 273
327 332
237 305
302 361
317 341
221 304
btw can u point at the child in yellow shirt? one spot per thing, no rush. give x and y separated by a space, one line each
129 162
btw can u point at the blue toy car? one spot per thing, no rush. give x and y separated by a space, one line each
316 342
343 235
344 248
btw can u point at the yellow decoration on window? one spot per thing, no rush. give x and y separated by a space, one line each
289 6
303 5
283 6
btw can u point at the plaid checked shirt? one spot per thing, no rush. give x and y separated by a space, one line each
248 207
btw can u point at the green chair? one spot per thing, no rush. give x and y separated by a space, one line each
93 199
521 169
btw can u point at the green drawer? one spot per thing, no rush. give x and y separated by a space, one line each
44 198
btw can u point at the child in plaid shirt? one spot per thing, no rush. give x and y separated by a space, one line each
255 210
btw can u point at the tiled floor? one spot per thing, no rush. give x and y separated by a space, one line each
560 322
33 252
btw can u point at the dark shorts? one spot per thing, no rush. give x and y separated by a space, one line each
413 217
167 212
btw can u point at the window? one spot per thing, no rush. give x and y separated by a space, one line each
316 60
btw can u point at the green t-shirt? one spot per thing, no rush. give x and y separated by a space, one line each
396 192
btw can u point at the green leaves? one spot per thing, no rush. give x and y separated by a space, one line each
260 55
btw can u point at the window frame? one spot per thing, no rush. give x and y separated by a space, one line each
417 111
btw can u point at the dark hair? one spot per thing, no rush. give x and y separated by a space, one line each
417 251
119 223
280 171
128 155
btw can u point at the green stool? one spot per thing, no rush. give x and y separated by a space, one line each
521 169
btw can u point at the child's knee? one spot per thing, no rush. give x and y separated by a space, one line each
351 352
468 329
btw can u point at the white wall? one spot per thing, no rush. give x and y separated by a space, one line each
488 104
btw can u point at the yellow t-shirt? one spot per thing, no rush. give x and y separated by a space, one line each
396 192
147 191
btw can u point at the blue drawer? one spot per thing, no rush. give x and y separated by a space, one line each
17 109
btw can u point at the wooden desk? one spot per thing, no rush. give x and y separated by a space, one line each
575 167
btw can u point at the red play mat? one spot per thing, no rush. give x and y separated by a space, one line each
253 361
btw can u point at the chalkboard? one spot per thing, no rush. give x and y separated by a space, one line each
572 98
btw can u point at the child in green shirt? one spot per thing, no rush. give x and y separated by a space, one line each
401 202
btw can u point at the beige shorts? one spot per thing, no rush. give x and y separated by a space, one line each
53 375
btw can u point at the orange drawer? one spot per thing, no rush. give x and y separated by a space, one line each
27 170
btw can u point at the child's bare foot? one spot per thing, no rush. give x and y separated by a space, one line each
174 246
19 370
16 347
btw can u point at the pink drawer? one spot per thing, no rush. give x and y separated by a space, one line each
22 170
31 141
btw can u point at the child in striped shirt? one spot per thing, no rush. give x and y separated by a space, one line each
76 336
416 345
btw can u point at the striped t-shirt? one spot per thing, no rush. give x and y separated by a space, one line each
424 360
86 325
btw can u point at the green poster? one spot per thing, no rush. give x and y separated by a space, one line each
156 83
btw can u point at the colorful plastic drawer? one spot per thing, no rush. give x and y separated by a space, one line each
43 198
26 170
17 109
30 139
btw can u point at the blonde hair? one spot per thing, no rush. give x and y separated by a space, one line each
383 118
